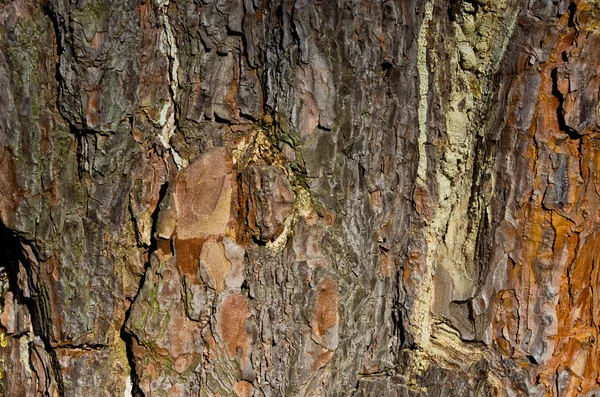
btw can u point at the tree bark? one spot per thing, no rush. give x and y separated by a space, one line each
299 198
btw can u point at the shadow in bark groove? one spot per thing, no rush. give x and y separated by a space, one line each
128 337
13 254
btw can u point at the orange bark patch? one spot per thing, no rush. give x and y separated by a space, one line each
326 314
232 314
98 40
203 196
188 254
182 335
423 203
7 318
576 347
8 188
211 344
322 359
243 388
213 257
92 110
53 266
386 265
177 390
550 309
183 362
231 93
164 246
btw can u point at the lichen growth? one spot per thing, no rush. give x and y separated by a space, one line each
423 89
262 147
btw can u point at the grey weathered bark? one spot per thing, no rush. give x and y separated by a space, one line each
299 197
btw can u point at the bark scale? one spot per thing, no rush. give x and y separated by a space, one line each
299 198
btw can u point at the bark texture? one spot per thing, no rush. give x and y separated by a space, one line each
299 198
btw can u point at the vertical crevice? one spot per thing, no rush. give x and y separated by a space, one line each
560 114
136 391
126 336
11 250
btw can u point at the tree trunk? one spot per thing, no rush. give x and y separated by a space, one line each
299 198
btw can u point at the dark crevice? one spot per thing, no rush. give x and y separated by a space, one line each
233 33
222 120
386 68
82 155
531 359
481 192
389 371
13 254
205 46
84 346
572 11
399 323
47 371
125 335
136 391
573 133
453 10
128 339
258 241
162 194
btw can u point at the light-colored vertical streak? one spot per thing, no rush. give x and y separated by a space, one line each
128 388
421 310
450 244
168 46
423 88
171 45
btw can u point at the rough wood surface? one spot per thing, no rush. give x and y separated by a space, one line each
299 198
